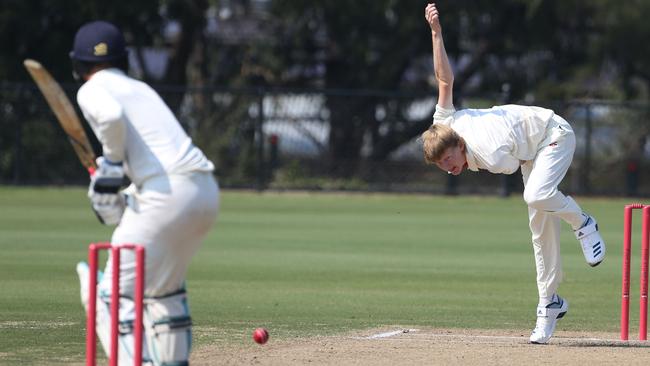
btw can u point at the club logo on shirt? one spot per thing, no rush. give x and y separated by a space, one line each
100 49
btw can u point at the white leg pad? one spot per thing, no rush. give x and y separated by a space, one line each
125 327
168 329
103 320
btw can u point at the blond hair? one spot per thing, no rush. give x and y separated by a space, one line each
437 139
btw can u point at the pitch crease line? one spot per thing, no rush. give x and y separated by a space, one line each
389 334
556 340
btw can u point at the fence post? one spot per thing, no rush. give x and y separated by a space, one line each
18 151
451 188
273 155
507 184
586 166
632 177
259 135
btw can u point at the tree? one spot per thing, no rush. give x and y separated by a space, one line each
620 33
507 51
510 46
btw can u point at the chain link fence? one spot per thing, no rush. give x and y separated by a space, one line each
330 140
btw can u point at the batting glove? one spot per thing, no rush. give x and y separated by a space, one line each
110 214
104 191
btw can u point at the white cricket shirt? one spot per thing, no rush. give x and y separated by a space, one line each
500 138
134 125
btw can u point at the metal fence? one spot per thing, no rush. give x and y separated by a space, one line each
330 140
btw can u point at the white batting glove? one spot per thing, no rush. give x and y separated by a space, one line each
110 214
104 191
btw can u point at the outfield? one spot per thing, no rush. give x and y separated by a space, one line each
306 264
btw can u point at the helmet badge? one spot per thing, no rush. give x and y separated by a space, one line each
100 49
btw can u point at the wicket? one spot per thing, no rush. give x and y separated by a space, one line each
627 249
91 337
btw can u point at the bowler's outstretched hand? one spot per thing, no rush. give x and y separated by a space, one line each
431 15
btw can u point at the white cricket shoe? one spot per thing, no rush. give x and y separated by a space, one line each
547 318
82 272
593 245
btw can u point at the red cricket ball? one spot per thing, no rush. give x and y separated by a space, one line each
260 335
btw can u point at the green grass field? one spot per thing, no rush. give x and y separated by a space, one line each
311 264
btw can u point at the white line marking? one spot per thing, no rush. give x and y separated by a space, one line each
559 340
435 335
525 338
388 334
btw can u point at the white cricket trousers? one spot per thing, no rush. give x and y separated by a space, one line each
170 216
547 206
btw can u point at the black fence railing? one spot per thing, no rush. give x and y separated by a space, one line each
330 140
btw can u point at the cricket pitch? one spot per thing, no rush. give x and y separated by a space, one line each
409 346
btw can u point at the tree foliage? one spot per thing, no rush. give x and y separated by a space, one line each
508 51
359 45
44 30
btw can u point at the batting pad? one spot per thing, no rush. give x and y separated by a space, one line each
168 328
125 338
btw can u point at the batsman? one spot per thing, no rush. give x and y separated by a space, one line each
170 205
501 140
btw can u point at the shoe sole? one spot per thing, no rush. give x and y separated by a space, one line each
595 264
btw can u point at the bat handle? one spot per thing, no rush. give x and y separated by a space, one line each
91 171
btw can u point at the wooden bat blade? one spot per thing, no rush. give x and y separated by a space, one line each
64 112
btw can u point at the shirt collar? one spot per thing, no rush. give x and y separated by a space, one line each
110 70
471 160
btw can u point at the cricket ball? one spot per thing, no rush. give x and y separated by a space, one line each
260 335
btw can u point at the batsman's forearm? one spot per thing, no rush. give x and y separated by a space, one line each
441 65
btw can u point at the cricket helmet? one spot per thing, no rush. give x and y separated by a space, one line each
98 41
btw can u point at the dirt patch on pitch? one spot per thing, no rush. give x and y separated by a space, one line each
396 345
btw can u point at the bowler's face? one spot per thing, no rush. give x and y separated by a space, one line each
453 160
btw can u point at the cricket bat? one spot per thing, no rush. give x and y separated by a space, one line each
64 112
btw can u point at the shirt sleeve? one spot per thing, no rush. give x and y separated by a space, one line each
443 115
106 118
